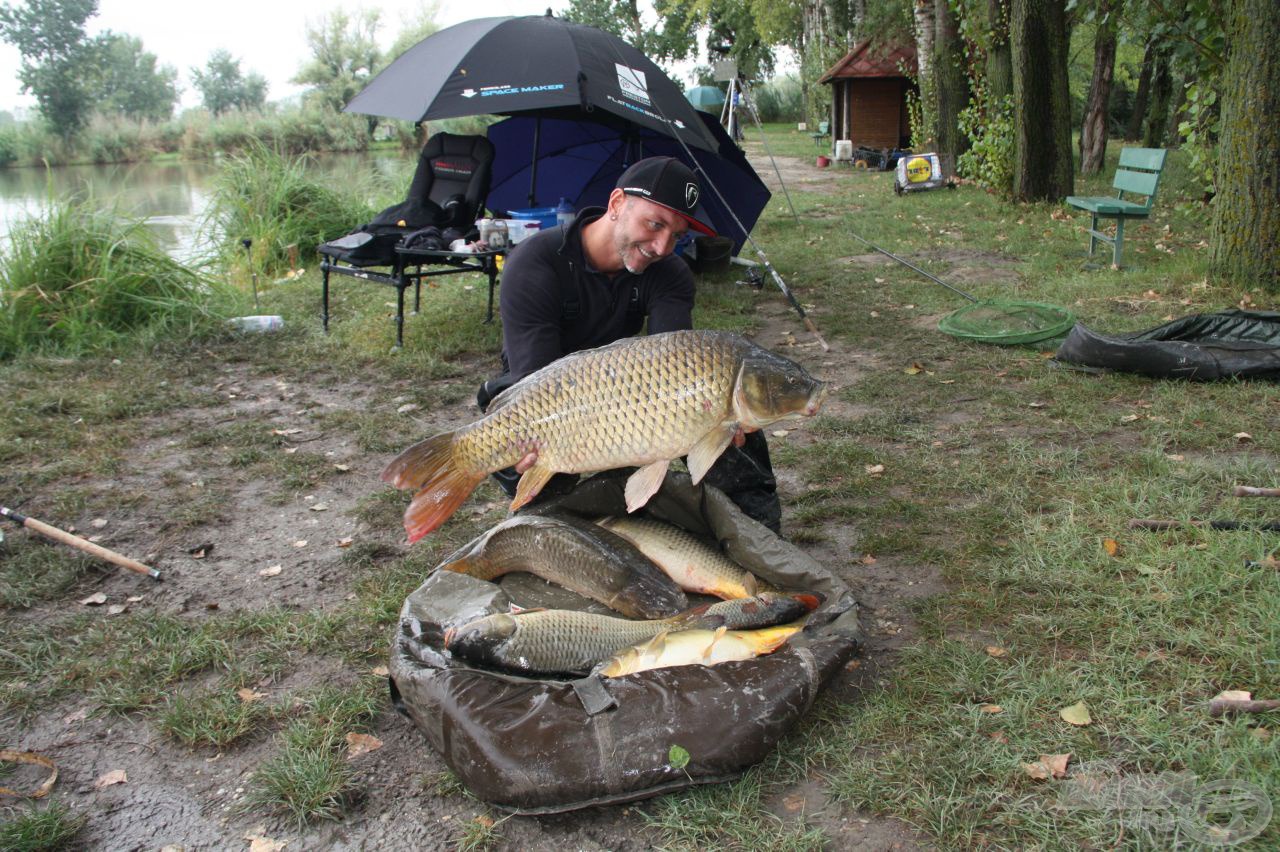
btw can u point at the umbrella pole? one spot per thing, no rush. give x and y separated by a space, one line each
533 167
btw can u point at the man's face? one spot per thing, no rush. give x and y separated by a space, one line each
645 232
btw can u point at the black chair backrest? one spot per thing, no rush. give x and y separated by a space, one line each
451 166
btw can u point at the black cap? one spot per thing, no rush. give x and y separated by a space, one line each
670 183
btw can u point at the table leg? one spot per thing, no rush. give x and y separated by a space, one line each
324 295
400 315
417 291
493 278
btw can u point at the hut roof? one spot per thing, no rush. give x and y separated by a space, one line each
879 61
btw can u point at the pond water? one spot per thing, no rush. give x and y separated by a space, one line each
172 197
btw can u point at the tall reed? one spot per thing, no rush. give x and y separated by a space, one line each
76 278
268 198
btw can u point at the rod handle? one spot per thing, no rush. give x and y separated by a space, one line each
89 547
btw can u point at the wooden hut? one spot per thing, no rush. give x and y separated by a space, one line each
869 89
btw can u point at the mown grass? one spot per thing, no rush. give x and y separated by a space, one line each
1002 474
43 828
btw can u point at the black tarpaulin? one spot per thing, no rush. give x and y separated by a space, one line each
1201 347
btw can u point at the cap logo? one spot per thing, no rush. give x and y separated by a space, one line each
690 195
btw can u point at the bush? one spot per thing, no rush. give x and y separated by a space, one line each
267 197
77 278
780 99
989 161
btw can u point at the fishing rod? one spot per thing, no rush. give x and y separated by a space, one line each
911 265
764 259
78 542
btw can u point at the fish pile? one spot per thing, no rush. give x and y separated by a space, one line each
642 402
567 642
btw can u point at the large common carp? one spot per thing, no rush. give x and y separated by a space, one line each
692 563
561 641
696 647
641 401
578 555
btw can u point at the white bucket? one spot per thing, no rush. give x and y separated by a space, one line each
844 149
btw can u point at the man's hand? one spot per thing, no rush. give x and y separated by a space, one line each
527 462
739 438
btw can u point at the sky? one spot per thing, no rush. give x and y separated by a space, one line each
267 36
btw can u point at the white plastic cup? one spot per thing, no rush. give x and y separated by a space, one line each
257 323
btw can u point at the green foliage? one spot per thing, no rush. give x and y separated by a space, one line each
344 56
267 197
77 278
127 80
223 86
780 100
41 829
1200 129
55 51
989 128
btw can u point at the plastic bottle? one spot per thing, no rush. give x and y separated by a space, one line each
257 323
564 212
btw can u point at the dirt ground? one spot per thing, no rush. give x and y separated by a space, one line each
178 798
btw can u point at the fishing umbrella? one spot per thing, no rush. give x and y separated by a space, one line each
582 161
535 63
705 98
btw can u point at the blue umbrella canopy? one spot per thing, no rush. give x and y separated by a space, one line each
582 161
705 98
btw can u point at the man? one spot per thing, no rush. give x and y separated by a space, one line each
597 280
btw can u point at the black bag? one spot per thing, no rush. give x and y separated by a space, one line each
541 745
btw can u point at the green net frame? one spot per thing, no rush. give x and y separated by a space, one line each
1008 322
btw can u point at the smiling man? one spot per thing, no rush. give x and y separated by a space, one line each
597 280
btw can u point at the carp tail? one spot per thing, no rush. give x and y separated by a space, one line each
429 467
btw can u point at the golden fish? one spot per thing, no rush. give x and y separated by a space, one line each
642 401
697 647
694 565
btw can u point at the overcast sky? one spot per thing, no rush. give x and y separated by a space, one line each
267 36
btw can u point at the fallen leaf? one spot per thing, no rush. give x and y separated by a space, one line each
913 370
381 671
271 571
248 696
342 467
1261 734
1243 437
1175 456
285 431
288 451
116 609
1048 766
406 408
302 542
1129 418
998 736
1110 546
345 541
1233 695
115 776
320 507
1036 404
867 559
780 433
874 469
78 716
794 802
259 842
358 744
134 598
991 708
996 651
98 523
96 599
1076 714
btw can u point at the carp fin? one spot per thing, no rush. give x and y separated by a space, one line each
435 503
708 449
706 655
644 483
530 484
420 463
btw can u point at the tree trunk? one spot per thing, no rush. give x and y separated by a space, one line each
1158 110
1246 220
1140 98
951 86
1043 168
924 30
1093 130
999 62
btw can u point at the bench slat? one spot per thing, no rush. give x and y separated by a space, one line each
1148 159
1142 183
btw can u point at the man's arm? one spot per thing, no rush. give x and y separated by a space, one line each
529 303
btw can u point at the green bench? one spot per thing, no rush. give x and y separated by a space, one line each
1137 174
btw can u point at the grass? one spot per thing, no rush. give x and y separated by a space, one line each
39 828
1002 475
77 278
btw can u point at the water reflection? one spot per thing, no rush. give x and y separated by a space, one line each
173 196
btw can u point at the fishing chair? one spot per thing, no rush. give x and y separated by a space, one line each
446 196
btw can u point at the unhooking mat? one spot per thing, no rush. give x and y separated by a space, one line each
1200 347
531 745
